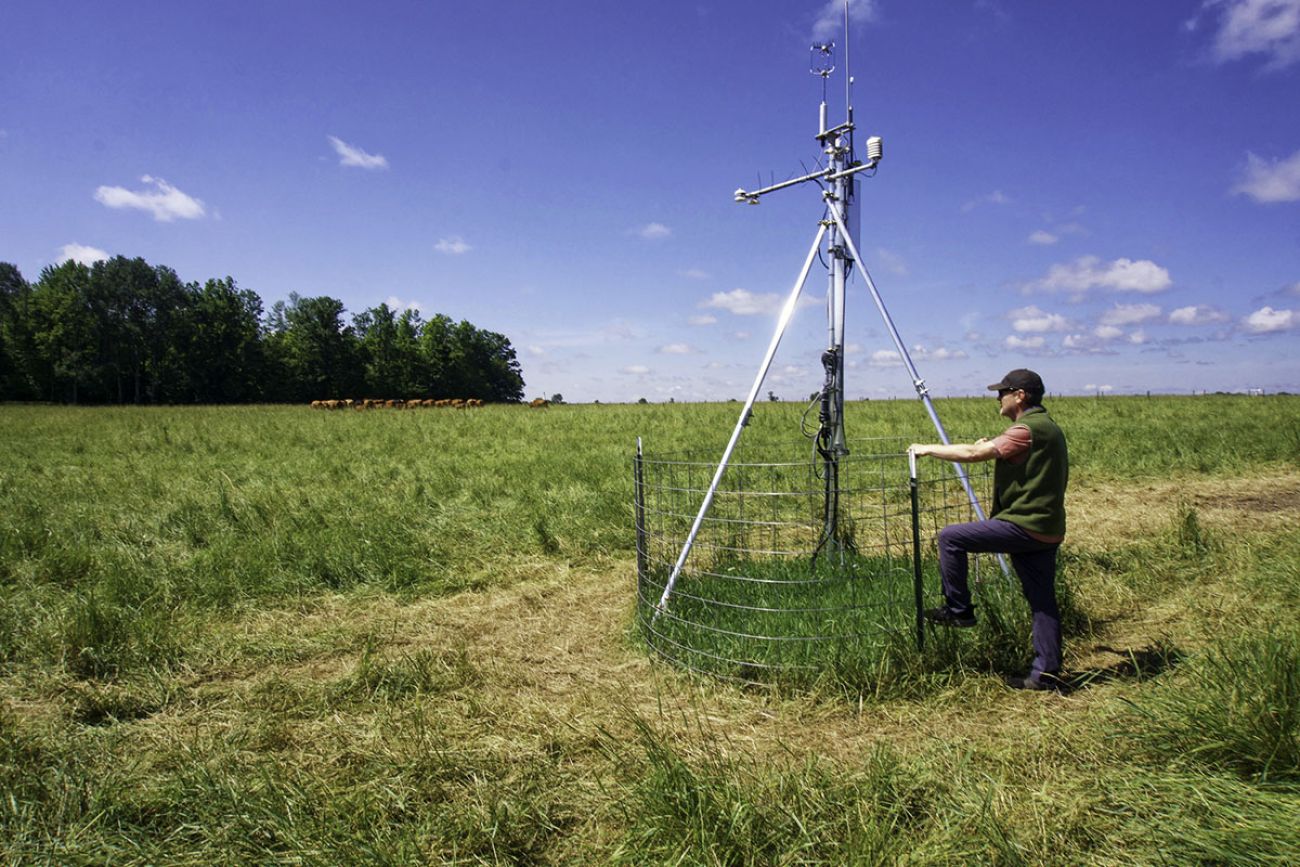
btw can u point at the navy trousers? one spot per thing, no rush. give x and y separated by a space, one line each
1035 565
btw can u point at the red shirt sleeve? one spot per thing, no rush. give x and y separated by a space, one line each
1013 445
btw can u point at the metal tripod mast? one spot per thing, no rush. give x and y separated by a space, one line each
838 181
837 144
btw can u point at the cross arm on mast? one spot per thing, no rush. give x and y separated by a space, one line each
826 174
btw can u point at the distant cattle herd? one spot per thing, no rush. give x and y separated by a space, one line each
414 403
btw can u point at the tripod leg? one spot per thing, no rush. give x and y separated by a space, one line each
917 381
787 313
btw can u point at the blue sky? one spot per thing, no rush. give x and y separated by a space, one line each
1107 191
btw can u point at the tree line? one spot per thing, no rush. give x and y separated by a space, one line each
125 331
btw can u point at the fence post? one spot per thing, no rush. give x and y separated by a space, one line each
916 551
638 499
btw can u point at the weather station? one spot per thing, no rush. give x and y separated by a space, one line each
757 564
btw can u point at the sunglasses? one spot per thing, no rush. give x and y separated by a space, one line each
1003 392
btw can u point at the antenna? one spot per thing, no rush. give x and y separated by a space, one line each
848 69
838 227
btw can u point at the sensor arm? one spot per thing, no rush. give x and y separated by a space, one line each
827 174
752 198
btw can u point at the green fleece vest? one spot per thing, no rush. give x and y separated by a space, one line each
1031 495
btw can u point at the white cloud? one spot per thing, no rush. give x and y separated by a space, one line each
1100 341
1271 181
454 246
81 253
1015 342
1043 238
695 273
1032 319
742 302
886 358
1196 314
1121 275
398 304
675 349
997 197
636 370
1129 314
1267 27
653 231
1266 320
830 20
164 201
921 352
536 350
1099 388
1294 289
703 319
349 155
741 335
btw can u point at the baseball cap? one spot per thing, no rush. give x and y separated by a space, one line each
1020 378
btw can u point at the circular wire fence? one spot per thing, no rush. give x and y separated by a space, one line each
790 576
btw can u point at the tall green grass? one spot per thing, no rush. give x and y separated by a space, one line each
851 625
181 679
115 523
1236 705
713 802
712 809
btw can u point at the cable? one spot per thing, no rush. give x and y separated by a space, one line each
803 419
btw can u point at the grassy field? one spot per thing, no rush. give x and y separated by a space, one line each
273 635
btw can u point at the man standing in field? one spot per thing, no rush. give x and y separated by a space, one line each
1027 520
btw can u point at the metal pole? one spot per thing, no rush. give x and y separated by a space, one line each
840 274
916 551
642 571
787 313
917 382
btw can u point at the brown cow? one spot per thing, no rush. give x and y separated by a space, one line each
540 403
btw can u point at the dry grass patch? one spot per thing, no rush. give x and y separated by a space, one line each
1104 514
